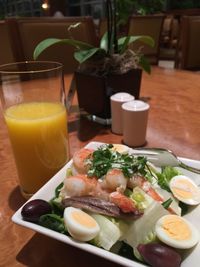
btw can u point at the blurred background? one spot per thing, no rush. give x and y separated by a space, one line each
93 8
177 38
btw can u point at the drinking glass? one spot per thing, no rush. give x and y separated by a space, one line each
33 102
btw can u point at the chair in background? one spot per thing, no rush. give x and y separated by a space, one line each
6 51
169 38
187 55
174 33
166 31
147 25
30 31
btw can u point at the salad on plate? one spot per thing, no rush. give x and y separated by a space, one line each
124 204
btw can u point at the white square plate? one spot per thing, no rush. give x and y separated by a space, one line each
47 193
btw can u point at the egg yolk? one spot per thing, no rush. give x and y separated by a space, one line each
83 219
176 228
184 189
120 148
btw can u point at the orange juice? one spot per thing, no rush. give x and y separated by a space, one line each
38 133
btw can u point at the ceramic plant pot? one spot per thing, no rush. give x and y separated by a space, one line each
94 91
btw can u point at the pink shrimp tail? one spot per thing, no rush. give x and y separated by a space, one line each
123 202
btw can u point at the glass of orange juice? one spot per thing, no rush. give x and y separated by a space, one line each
33 102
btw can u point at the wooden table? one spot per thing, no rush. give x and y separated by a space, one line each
174 123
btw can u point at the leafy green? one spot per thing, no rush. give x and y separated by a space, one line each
124 45
53 222
123 42
104 158
126 251
58 189
167 173
167 203
184 208
104 42
57 207
142 230
55 202
82 55
43 45
128 192
140 198
109 232
108 44
144 63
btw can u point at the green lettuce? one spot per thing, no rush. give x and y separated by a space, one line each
167 173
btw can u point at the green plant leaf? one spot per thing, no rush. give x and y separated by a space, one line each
145 65
125 44
125 41
52 41
104 42
82 55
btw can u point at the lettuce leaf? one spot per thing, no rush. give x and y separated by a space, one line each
141 231
167 173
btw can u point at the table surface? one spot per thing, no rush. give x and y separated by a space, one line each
174 123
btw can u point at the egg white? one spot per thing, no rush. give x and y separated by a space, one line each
78 230
181 244
122 149
195 199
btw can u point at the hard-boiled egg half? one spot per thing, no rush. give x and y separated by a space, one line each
122 149
176 232
185 190
80 225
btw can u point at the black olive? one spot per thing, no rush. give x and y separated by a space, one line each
34 209
158 255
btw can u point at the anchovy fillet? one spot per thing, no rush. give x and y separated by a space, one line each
99 206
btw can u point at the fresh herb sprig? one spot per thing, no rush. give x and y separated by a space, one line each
104 158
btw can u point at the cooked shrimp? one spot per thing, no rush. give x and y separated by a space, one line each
123 202
145 186
101 191
79 185
79 160
115 180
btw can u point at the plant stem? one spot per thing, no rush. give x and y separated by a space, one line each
112 26
108 24
115 27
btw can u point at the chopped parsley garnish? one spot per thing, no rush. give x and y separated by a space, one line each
104 159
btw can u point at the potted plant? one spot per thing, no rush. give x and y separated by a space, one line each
107 69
